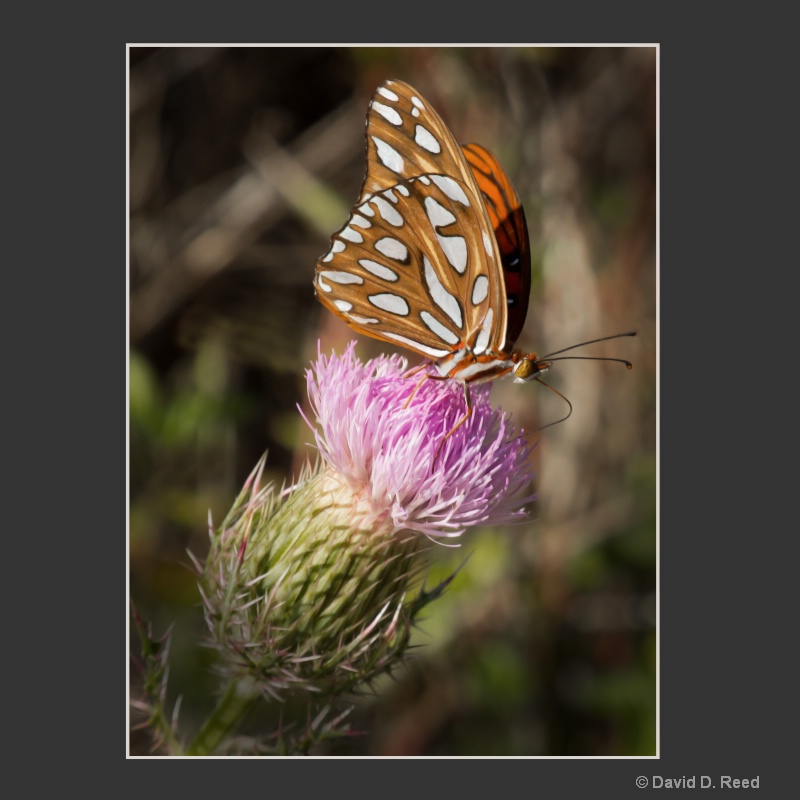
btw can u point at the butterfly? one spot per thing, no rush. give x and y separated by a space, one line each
435 256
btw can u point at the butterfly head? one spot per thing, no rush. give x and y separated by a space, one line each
529 367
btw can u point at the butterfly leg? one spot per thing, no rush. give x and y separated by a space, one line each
467 414
413 394
415 370
422 380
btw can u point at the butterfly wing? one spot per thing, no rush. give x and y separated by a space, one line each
413 266
407 138
421 208
507 218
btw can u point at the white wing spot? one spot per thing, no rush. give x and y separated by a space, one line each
388 212
437 213
487 243
343 305
389 194
424 179
455 248
442 331
392 248
482 342
389 114
403 190
423 348
360 221
342 277
322 285
480 290
388 94
414 112
378 270
424 138
451 188
351 235
388 156
365 209
392 303
364 320
446 301
338 246
417 102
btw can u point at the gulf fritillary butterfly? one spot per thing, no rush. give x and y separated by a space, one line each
435 256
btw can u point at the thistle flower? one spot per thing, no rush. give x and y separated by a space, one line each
385 446
307 589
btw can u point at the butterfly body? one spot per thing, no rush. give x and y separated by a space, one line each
435 255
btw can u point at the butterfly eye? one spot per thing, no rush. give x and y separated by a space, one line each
529 367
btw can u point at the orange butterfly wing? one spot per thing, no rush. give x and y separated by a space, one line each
511 232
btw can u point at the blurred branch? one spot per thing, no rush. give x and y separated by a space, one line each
309 198
248 206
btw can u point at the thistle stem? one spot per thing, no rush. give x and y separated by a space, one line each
230 710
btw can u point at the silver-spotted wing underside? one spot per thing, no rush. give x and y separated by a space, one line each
417 263
411 266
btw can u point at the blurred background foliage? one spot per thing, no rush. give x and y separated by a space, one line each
243 162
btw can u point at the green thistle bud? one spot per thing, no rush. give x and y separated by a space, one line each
305 589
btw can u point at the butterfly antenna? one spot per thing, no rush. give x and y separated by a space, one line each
549 358
591 358
592 341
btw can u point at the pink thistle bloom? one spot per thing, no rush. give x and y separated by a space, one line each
385 447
